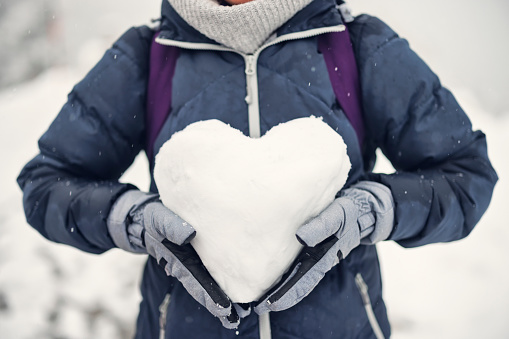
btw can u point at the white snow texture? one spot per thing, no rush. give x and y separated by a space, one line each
246 197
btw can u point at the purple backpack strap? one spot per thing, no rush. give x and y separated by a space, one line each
161 71
338 53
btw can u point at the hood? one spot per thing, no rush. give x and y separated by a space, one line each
319 13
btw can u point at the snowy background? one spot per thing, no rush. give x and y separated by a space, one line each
457 290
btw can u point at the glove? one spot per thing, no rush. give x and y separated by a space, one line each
363 214
140 223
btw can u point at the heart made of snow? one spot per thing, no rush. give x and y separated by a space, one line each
247 197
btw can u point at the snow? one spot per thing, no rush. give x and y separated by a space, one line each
456 290
246 197
465 42
49 290
26 51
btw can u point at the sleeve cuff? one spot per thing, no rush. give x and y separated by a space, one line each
117 219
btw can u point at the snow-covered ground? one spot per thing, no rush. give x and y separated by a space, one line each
457 290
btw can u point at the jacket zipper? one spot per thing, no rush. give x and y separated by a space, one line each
163 312
366 300
252 99
251 62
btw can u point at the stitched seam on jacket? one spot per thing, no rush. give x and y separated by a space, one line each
62 158
304 88
126 54
97 116
389 40
203 90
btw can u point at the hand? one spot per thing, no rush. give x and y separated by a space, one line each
154 229
167 238
363 213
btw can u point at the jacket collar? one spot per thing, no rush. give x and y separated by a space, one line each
319 13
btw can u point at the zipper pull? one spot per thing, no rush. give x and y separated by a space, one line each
250 71
250 65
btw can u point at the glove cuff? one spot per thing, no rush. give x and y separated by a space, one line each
376 210
118 218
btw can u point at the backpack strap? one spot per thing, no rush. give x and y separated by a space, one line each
161 70
338 53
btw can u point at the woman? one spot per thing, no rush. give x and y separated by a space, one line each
268 51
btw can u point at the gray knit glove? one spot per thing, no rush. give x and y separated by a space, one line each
363 214
139 222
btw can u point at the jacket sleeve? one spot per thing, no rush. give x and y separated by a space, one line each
70 186
444 180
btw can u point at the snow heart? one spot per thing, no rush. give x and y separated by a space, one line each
246 197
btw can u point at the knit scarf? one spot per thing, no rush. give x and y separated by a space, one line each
243 27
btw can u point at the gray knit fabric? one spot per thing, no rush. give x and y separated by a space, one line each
243 27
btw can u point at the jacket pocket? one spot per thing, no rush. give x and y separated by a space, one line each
366 300
163 312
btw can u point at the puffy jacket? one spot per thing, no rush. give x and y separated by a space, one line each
442 186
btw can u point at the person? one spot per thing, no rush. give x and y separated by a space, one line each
442 185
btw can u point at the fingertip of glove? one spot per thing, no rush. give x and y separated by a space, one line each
300 240
306 239
231 321
233 317
307 233
189 238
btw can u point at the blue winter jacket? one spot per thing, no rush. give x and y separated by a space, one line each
443 184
